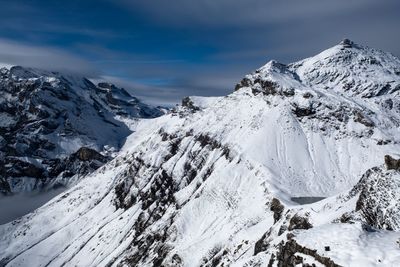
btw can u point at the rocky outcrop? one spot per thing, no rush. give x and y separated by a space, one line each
87 154
303 112
391 163
379 198
277 208
299 222
188 103
23 169
361 118
346 43
286 256
267 87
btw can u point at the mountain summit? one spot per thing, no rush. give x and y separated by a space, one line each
287 170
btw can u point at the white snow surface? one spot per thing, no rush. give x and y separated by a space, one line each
352 246
226 162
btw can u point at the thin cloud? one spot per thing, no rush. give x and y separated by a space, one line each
49 58
241 13
154 95
201 83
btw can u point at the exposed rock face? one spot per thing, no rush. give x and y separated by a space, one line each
188 102
80 163
277 208
302 112
47 116
286 257
260 85
347 43
299 222
360 117
51 172
391 163
379 200
87 154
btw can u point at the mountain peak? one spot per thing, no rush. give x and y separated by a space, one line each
346 68
347 43
351 69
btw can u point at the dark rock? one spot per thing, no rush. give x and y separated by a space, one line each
277 208
286 255
302 112
308 95
245 82
262 244
288 92
384 90
174 146
188 102
155 201
346 218
346 43
87 154
271 260
23 169
176 260
361 118
110 99
282 229
268 87
383 142
388 103
105 85
391 163
298 222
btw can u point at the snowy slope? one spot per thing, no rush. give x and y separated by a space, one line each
212 182
46 116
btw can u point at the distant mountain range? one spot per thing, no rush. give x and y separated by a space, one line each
54 126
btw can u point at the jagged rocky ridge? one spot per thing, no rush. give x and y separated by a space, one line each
48 117
211 184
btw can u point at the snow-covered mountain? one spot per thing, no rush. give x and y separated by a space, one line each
218 181
48 120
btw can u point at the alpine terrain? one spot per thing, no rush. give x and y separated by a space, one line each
57 127
297 167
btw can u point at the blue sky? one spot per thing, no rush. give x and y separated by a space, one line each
163 50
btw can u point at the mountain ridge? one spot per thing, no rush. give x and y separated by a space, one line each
212 182
50 115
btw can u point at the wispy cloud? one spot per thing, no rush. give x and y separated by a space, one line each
303 27
45 57
241 13
133 61
151 94
168 92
